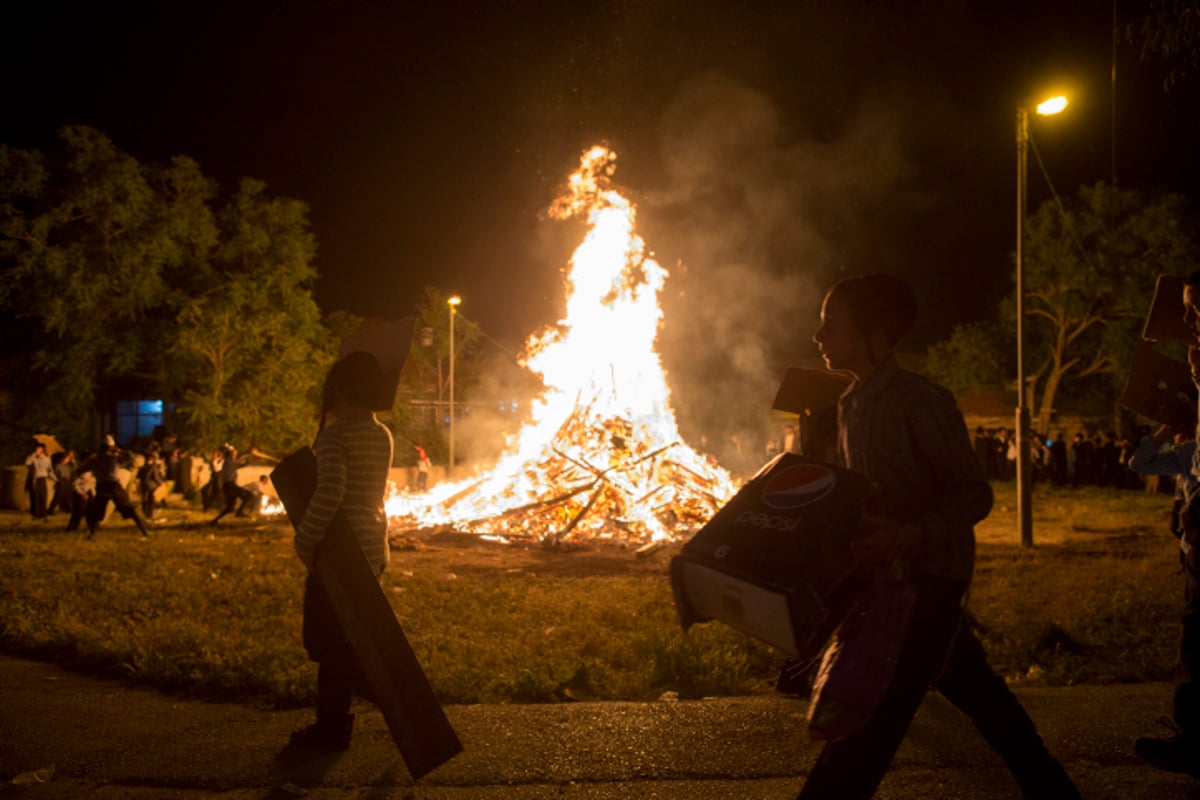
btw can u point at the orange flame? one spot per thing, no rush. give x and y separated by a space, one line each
602 456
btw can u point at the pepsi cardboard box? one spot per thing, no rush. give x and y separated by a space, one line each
771 561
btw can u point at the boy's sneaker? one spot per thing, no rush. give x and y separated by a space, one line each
796 677
1179 752
324 735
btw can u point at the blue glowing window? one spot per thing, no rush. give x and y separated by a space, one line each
137 419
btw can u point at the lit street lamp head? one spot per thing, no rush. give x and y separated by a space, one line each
1052 106
454 301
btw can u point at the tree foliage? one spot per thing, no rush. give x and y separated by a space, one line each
120 278
975 357
1170 30
1090 268
251 348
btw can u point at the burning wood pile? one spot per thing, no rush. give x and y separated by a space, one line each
602 457
615 486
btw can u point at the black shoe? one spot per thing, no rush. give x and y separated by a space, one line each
324 736
796 677
1179 752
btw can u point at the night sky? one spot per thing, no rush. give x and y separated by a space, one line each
770 146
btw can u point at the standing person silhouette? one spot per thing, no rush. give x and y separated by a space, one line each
1180 751
423 467
353 452
907 436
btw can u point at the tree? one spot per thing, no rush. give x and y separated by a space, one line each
1170 29
251 349
1090 270
91 254
978 355
117 276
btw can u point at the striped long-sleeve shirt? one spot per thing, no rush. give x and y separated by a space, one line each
905 433
353 457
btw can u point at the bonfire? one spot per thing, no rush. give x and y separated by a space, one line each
601 457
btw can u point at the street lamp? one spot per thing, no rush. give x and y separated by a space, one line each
1024 473
453 302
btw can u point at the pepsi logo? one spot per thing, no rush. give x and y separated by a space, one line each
798 486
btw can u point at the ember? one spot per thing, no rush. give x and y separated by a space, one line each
602 457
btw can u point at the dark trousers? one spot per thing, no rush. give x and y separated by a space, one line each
233 493
853 767
327 645
148 502
1187 691
106 491
79 508
38 495
61 496
210 495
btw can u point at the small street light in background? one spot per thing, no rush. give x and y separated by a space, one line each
454 303
1024 472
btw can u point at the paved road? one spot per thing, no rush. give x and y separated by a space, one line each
108 741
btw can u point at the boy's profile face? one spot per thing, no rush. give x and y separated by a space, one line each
1191 311
843 346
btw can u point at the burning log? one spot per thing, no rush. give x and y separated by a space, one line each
580 515
542 504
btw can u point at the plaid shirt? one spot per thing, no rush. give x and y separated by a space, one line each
906 434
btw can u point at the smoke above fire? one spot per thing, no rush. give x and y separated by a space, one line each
759 216
601 456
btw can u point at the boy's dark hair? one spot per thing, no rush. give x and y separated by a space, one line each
879 303
1193 280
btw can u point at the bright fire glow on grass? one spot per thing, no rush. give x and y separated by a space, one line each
602 456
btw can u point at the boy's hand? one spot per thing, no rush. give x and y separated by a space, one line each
889 537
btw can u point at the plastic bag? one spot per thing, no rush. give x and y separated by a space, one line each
861 659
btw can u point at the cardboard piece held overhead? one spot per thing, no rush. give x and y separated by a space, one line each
1160 388
389 342
1165 323
49 441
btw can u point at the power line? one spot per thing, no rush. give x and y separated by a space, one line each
1062 209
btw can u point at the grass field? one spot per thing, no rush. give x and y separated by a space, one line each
215 611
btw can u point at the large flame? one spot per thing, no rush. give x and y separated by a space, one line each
602 456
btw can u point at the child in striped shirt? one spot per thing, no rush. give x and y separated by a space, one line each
353 452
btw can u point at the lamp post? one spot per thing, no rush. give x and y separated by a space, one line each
1024 472
453 302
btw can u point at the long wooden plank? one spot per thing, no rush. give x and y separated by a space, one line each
393 675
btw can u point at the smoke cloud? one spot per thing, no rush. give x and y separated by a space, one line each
757 217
